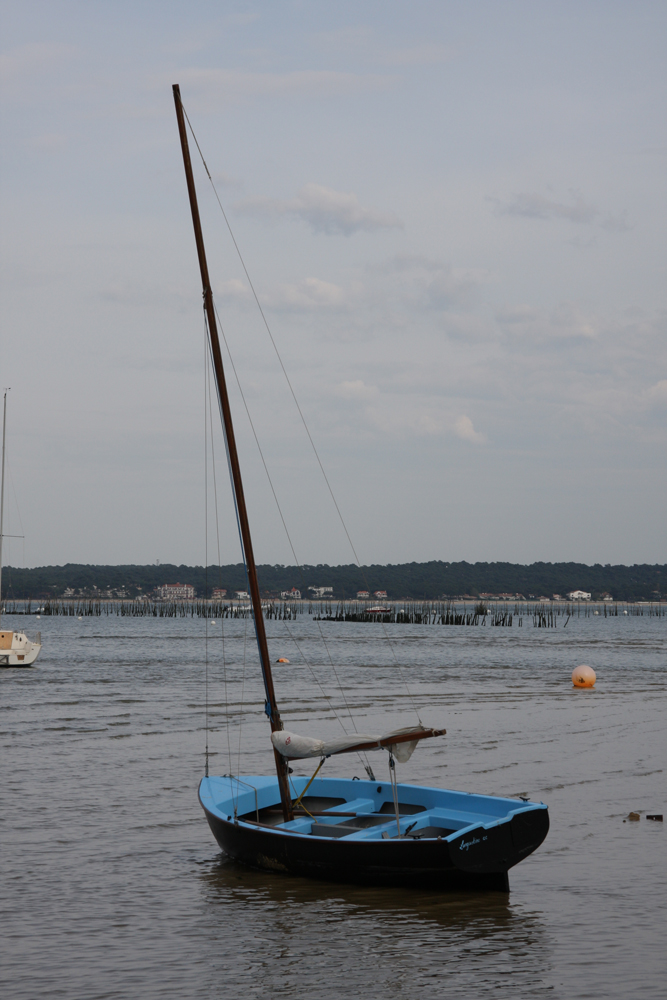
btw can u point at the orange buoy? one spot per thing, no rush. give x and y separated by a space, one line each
282 659
583 676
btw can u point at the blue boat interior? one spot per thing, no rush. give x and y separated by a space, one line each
357 810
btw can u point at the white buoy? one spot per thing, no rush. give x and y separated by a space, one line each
38 616
80 618
583 676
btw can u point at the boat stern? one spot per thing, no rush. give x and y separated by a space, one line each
497 847
18 650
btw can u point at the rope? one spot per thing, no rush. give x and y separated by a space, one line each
298 801
394 790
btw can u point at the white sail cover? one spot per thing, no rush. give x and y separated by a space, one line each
296 747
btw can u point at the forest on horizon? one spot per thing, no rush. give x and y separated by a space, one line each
417 581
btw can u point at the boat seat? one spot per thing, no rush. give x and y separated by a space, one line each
322 802
346 828
429 833
404 808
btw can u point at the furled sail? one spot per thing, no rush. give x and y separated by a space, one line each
400 742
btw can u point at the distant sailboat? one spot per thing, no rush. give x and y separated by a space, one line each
337 828
16 649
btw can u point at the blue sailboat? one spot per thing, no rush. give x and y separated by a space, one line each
346 829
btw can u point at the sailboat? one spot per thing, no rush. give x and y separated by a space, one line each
16 649
350 830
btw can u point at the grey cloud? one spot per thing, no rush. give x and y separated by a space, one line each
657 394
364 43
568 320
466 431
431 284
310 294
577 210
26 70
215 87
325 210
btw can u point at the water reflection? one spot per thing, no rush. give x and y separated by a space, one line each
288 936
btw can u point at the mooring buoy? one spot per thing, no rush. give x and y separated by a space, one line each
583 676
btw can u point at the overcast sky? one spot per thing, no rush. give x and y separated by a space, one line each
454 217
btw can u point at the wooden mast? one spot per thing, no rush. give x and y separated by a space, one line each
271 707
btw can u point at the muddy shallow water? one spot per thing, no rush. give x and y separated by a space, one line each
115 888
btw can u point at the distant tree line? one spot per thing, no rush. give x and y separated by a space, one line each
425 581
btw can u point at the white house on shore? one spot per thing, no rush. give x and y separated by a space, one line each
579 595
291 595
176 592
321 591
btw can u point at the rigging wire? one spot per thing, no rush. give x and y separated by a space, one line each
362 756
301 415
282 518
241 716
208 422
242 706
206 553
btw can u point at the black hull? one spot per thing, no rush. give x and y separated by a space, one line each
475 861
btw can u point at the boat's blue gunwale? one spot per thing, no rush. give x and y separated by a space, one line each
262 787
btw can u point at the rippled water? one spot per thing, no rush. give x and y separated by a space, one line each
115 888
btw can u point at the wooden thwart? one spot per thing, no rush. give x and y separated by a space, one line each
316 812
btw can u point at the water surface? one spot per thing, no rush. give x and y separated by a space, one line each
115 888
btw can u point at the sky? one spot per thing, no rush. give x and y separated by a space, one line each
454 216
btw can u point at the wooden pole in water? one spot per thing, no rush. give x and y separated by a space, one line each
271 704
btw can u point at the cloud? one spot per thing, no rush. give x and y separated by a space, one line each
233 290
432 284
427 53
364 44
49 141
657 394
325 210
26 60
310 293
578 210
466 431
226 180
568 320
221 86
357 390
23 69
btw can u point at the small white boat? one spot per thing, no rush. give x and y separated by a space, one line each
16 649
